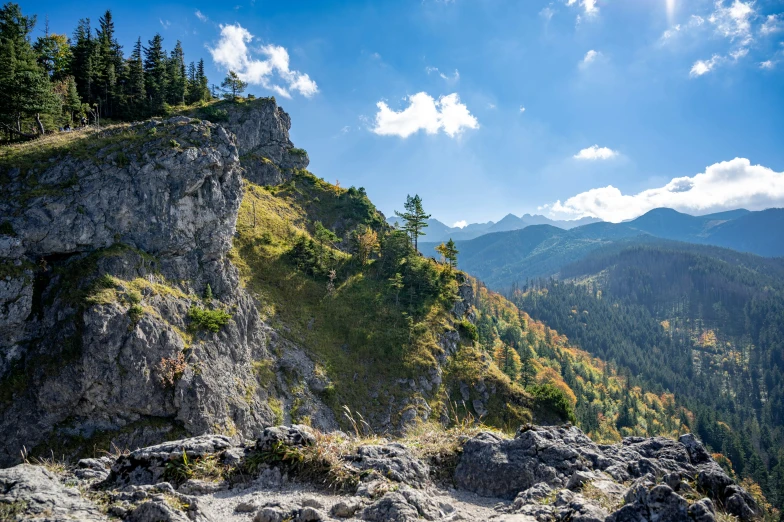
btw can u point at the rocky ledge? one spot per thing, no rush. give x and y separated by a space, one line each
294 473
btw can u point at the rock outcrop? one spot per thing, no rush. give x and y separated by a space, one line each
266 153
208 479
111 250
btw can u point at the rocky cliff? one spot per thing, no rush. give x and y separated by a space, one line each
543 474
106 254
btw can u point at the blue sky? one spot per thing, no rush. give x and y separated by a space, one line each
628 104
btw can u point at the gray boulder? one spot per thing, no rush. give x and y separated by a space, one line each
392 461
34 493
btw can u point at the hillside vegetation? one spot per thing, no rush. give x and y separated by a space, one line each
702 323
367 333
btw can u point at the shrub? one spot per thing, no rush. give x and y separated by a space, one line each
211 320
171 369
6 229
214 114
297 152
135 312
553 399
468 330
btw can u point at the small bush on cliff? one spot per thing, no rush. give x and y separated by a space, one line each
552 399
468 330
214 114
206 319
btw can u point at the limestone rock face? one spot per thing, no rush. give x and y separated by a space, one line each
111 248
266 152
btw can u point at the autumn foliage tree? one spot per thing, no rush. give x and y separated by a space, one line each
366 242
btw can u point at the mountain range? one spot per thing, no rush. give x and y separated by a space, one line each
437 231
503 258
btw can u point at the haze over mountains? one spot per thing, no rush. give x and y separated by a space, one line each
438 231
503 258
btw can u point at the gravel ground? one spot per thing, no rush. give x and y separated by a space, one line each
221 505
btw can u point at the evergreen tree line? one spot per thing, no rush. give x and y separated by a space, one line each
53 81
709 331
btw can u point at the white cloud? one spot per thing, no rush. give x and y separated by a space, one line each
460 224
669 35
450 79
589 7
491 105
590 57
425 113
522 109
232 53
723 186
201 16
596 152
164 23
739 53
767 64
547 13
773 24
733 21
701 67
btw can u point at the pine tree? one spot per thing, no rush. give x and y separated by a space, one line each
155 76
233 86
192 93
204 85
109 65
135 89
83 61
175 70
71 102
415 219
24 84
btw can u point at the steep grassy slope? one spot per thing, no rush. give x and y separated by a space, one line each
386 352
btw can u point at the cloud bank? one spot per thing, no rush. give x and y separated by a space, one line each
446 114
267 65
723 186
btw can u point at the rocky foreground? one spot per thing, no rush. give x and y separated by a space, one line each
296 474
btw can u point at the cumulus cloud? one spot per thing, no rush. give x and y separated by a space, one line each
733 21
589 58
596 152
267 65
425 113
460 224
723 186
767 64
201 16
773 24
522 109
701 67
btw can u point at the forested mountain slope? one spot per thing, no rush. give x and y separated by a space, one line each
506 258
701 322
